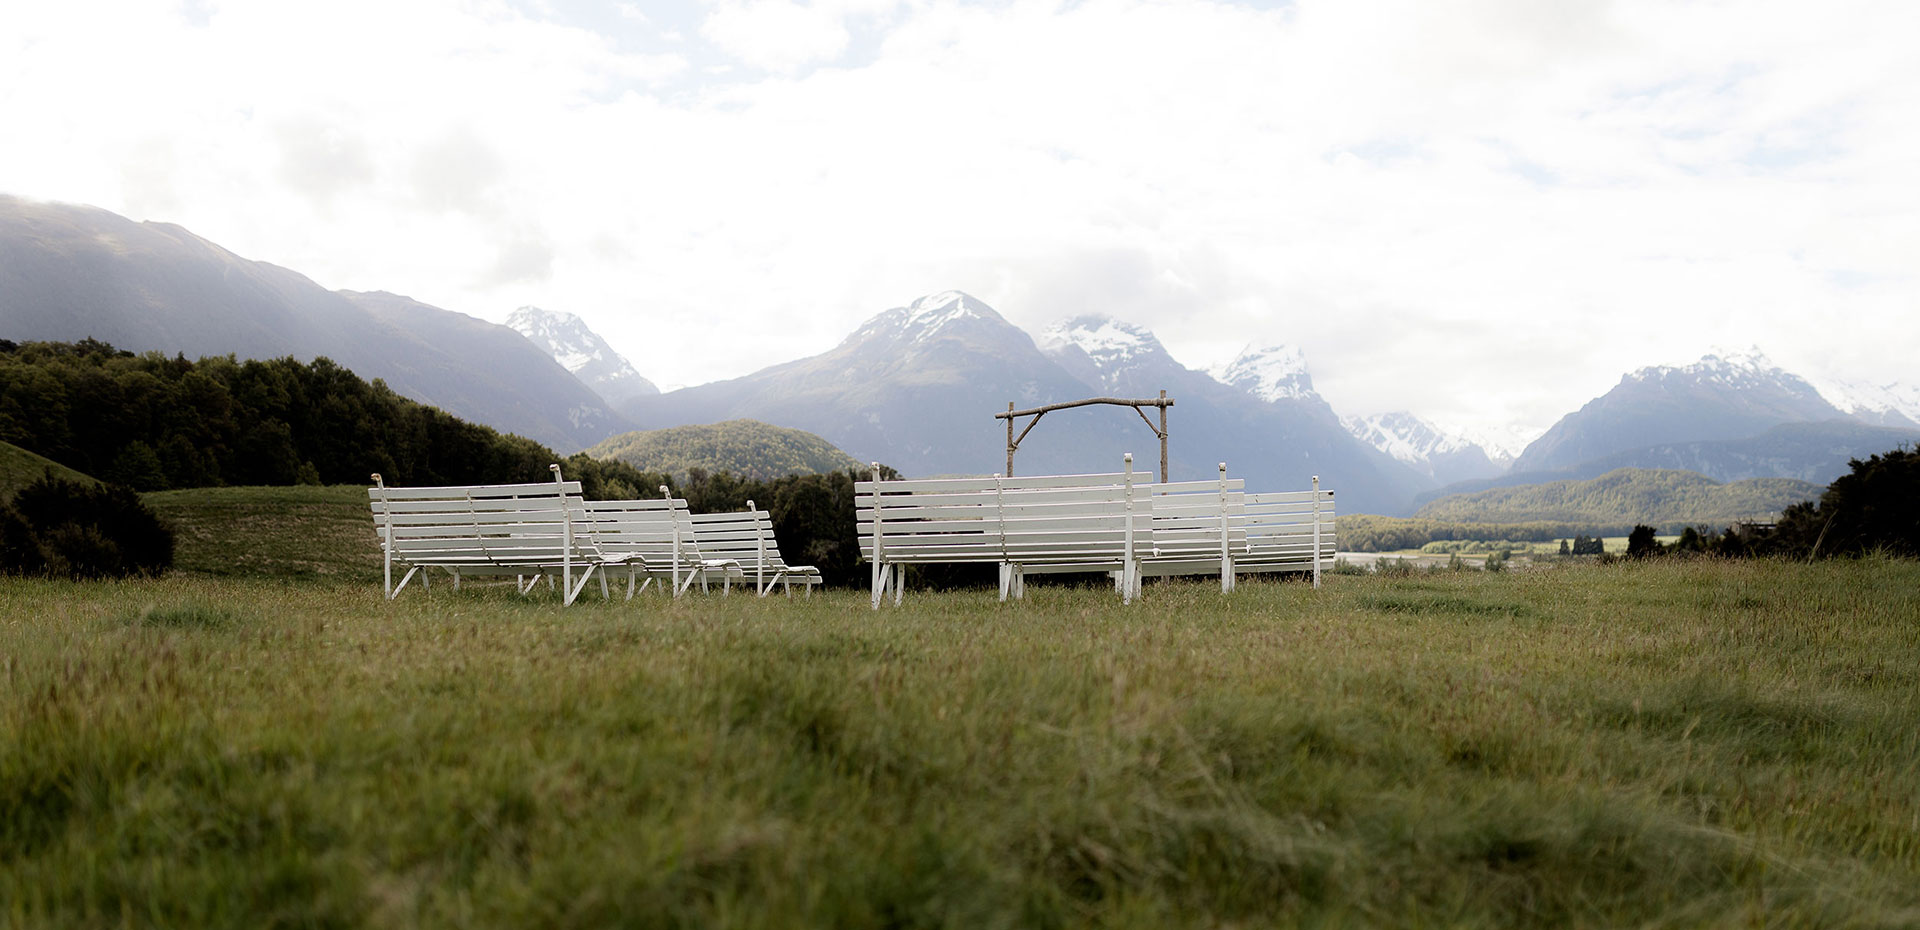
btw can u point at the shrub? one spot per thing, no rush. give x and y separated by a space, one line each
1640 543
1876 506
65 528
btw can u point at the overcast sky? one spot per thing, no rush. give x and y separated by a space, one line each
1482 211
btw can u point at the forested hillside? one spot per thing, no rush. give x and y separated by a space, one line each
153 423
1626 496
747 448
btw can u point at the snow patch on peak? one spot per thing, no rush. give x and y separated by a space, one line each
922 319
1502 444
1106 340
581 351
1721 364
1749 358
1404 436
532 316
1890 404
933 311
563 335
1269 371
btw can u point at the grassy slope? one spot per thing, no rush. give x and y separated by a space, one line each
1681 743
283 532
18 468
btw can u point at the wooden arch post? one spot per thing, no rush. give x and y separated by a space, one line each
1162 402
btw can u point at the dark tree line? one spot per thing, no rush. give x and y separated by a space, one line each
1875 507
151 422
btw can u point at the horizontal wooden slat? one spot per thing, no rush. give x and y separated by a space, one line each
992 499
479 491
989 483
548 505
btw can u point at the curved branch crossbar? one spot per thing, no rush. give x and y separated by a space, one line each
1162 402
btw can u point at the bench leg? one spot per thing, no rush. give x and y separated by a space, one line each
1006 580
403 582
572 594
882 576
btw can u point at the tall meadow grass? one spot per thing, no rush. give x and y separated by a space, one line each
1672 744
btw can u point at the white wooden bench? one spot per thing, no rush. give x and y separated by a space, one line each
746 539
1290 531
528 531
1199 528
1088 522
660 541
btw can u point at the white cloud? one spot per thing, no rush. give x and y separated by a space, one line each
781 36
1485 211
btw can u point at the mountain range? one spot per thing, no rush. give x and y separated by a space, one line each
917 386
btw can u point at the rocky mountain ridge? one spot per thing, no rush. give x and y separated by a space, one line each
71 272
583 352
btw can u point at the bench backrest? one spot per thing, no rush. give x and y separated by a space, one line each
744 536
658 532
503 524
1190 518
1041 518
1281 527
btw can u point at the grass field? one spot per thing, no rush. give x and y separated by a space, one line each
298 532
1672 744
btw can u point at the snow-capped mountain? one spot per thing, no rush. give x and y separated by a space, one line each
580 350
1270 371
1723 395
1445 457
1876 404
1503 443
1731 368
923 325
914 387
1110 355
917 387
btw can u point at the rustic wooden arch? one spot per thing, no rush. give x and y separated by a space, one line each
1162 402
